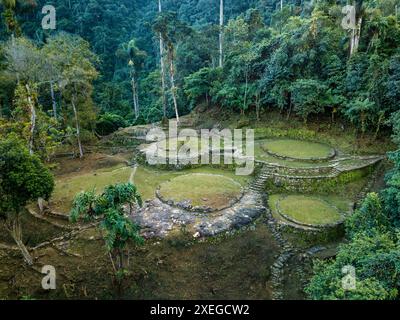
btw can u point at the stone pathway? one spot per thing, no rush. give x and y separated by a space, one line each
259 183
286 251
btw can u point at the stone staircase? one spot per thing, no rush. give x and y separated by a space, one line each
258 184
286 252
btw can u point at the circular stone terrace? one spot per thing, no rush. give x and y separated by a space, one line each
206 204
211 204
290 149
207 192
308 211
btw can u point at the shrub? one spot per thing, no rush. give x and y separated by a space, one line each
109 123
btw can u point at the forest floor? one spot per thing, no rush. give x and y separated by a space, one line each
235 266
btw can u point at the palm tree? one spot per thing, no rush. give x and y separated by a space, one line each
135 60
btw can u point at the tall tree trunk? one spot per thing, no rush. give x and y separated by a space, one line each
53 99
78 130
356 32
162 65
363 126
134 94
137 98
355 37
15 231
121 259
221 33
246 88
378 126
281 5
60 98
33 119
173 88
290 110
258 105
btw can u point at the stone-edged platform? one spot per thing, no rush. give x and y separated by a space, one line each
330 154
301 224
187 204
158 219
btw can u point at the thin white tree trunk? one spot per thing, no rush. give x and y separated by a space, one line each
355 37
258 105
134 94
246 88
221 33
33 119
137 98
40 204
173 88
15 231
53 99
78 130
162 65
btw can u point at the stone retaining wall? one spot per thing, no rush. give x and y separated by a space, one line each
304 184
283 170
315 236
187 162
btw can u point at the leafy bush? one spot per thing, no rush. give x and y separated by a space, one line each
109 123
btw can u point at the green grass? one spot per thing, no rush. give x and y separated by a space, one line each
297 149
340 202
147 180
214 191
67 188
309 209
261 155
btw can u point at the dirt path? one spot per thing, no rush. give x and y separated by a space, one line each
133 173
